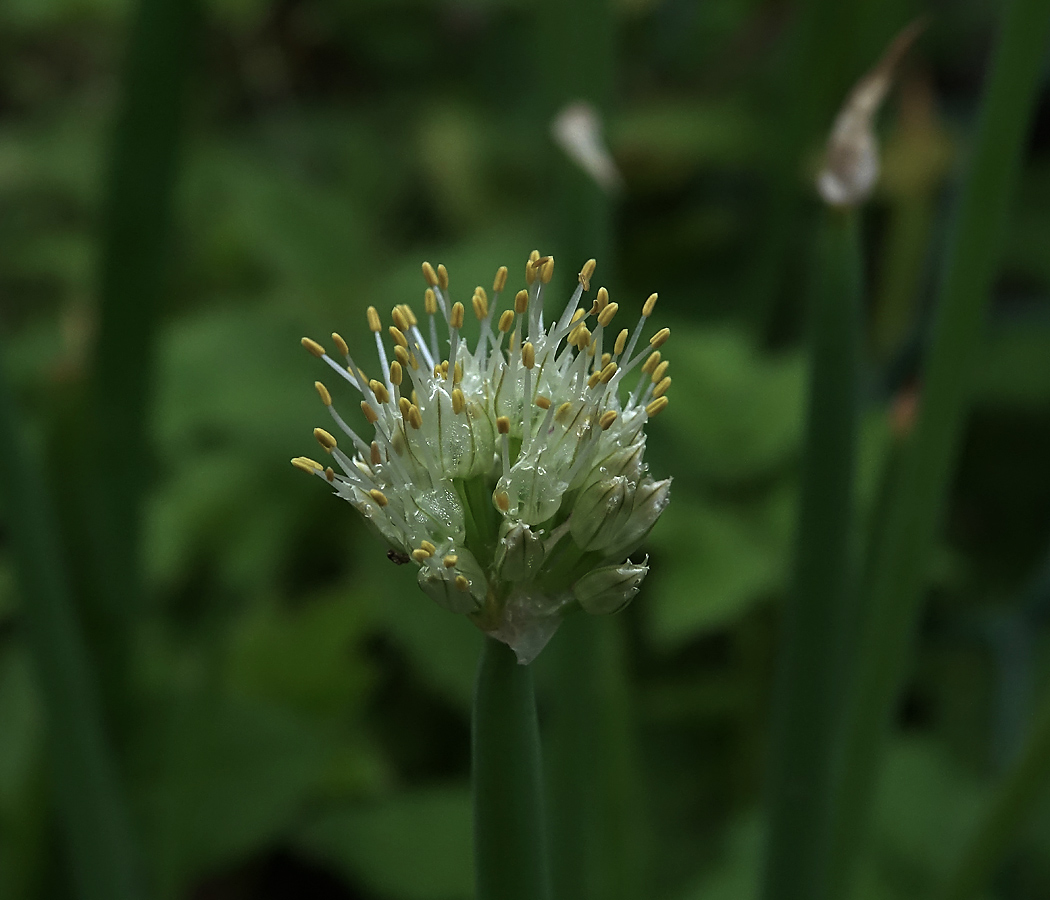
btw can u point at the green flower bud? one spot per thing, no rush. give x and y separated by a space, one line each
519 554
596 513
609 589
649 500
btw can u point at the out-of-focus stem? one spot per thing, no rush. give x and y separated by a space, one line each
893 599
809 681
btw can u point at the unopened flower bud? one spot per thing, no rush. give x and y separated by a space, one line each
650 499
609 589
519 554
596 512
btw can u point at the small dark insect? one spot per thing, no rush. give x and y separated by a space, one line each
397 557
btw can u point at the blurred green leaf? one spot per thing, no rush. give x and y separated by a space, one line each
712 563
413 847
741 412
218 778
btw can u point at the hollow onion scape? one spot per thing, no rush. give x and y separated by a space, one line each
510 473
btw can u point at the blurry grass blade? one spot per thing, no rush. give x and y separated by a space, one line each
809 683
1019 793
510 860
893 598
92 810
135 241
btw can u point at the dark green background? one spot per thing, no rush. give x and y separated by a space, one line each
290 713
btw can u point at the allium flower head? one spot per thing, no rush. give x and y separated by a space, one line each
510 473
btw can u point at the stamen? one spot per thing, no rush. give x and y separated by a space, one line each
462 583
450 561
375 455
607 418
325 439
322 391
305 464
378 496
656 407
315 348
429 274
586 272
340 343
500 281
662 387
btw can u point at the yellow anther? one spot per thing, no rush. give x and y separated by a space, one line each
660 371
651 363
430 303
409 314
373 319
563 411
662 387
530 271
429 547
660 338
322 391
404 404
374 454
450 561
607 418
401 354
606 315
420 555
442 277
534 256
502 500
378 496
500 281
340 343
329 473
656 406
415 417
400 319
528 355
415 398
429 274
586 272
649 305
459 402
608 372
576 316
396 373
594 379
325 439
379 389
457 373
307 465
506 321
462 584
503 425
543 402
481 306
456 319
444 368
521 301
606 359
370 413
621 342
583 339
315 348
601 300
547 270
398 336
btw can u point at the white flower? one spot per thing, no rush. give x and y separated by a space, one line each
511 471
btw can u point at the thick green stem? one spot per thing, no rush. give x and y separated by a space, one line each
809 694
90 803
1020 790
510 860
914 516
